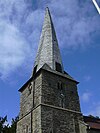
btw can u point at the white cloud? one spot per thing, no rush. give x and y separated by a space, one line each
95 110
76 23
14 48
87 78
20 28
86 96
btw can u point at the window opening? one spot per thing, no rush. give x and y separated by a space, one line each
30 88
58 67
62 96
35 68
60 86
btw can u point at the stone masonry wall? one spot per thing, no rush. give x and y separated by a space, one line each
30 116
30 98
36 113
26 102
52 94
30 123
24 125
57 120
36 120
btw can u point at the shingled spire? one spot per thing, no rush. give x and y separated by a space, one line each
48 50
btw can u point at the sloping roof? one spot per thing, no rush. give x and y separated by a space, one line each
66 75
94 123
25 85
47 68
48 50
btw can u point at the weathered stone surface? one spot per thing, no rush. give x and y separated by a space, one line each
28 99
48 51
42 110
24 124
58 120
49 101
31 122
51 94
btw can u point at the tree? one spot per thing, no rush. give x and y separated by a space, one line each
5 128
14 125
2 123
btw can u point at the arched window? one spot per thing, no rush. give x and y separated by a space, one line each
29 88
60 86
62 100
61 95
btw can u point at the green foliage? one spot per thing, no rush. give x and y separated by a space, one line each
13 125
2 124
5 128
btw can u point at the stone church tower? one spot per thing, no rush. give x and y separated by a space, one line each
49 100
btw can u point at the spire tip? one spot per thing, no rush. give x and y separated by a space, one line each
47 8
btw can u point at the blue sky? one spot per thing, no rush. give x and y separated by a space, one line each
77 24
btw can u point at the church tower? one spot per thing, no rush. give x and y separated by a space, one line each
49 101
